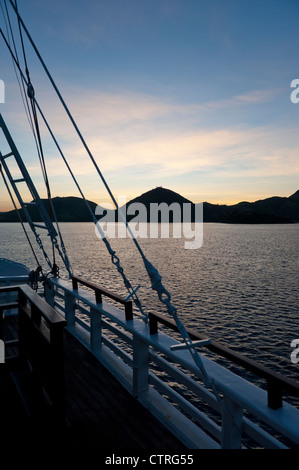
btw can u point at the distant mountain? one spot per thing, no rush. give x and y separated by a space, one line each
159 195
153 198
271 210
67 209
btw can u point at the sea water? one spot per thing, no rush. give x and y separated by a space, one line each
240 288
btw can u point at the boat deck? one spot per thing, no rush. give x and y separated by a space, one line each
100 412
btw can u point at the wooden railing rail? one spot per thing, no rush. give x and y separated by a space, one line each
276 383
100 291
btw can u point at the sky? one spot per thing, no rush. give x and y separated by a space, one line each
191 95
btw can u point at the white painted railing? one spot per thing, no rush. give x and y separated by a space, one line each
168 382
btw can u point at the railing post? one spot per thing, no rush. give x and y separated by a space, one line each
232 421
74 283
49 292
129 311
69 305
140 366
274 394
153 324
95 330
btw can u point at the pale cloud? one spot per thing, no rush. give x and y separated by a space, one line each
131 133
169 153
231 151
250 98
97 112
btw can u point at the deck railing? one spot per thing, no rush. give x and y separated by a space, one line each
169 383
276 383
100 292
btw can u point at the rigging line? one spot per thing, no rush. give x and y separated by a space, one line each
38 144
36 134
65 260
42 158
115 259
8 23
15 61
74 124
31 93
27 71
20 82
111 252
78 131
27 108
63 102
155 277
22 44
19 216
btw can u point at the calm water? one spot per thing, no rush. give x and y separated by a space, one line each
240 288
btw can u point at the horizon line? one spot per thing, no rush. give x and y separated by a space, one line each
200 202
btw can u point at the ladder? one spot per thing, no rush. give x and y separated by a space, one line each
36 201
25 179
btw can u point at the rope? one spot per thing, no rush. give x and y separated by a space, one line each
20 82
114 258
156 279
37 137
31 94
63 255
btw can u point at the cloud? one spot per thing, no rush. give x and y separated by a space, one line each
137 134
229 151
249 98
98 112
